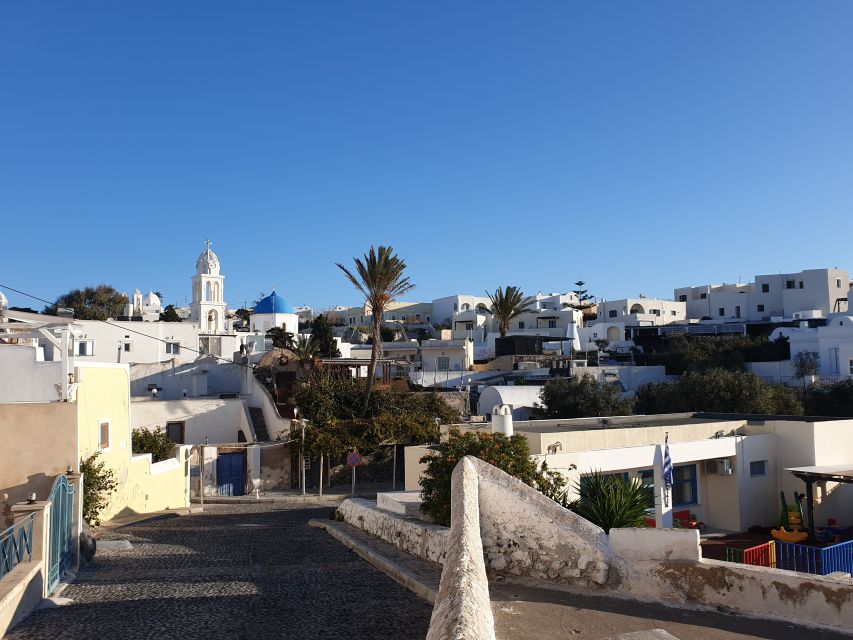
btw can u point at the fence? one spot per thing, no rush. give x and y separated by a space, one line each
818 560
16 543
762 555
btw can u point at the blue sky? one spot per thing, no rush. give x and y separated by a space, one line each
636 146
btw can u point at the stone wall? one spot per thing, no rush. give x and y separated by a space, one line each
527 535
428 541
462 609
508 528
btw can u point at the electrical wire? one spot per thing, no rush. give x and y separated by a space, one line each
123 328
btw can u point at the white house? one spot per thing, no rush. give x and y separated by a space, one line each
833 343
641 311
813 292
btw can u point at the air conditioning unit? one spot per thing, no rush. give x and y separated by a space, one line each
720 467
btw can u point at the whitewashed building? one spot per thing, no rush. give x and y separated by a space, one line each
803 294
641 312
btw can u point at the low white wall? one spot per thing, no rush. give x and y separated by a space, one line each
462 607
527 535
428 541
208 420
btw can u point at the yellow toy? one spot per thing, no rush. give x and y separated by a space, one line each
788 536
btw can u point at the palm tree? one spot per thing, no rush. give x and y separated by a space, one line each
611 501
305 348
379 277
507 305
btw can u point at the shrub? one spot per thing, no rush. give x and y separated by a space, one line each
581 397
157 443
509 454
98 484
611 501
718 390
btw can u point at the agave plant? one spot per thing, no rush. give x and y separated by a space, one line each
611 501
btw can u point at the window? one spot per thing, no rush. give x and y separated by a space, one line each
104 434
851 367
838 283
765 288
647 477
737 311
612 313
833 361
86 348
673 313
722 311
682 298
684 485
469 326
442 363
552 324
654 312
789 284
175 432
455 307
759 308
801 284
126 346
417 316
173 347
429 319
521 325
758 468
703 296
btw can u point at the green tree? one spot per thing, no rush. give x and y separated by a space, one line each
169 314
831 399
680 354
91 303
305 349
332 405
281 338
506 305
805 365
155 442
244 315
508 454
718 390
379 276
321 332
99 484
581 397
584 298
610 501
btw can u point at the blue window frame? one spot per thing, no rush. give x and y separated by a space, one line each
683 485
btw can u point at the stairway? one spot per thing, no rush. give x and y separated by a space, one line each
257 415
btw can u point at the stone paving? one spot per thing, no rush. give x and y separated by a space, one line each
235 571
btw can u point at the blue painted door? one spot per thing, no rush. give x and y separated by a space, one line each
229 474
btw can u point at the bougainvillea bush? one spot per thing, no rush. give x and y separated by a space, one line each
508 454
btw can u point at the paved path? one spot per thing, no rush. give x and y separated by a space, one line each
235 571
521 612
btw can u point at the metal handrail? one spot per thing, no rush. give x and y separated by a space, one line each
16 542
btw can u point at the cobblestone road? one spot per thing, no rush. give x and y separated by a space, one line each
247 571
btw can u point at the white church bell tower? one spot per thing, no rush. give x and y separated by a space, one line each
208 307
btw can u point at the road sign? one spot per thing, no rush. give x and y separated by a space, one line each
353 459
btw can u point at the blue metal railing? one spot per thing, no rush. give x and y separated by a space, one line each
818 560
60 538
16 543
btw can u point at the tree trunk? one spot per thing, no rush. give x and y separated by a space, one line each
374 356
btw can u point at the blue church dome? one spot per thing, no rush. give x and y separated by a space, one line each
273 303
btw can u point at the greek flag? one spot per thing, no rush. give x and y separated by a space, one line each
667 465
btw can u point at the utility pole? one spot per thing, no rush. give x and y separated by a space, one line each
302 457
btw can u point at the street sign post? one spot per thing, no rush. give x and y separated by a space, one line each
353 460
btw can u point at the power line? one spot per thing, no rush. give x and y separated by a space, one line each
117 326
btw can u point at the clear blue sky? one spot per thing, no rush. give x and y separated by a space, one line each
636 145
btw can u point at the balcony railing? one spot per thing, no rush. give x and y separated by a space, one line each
16 543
